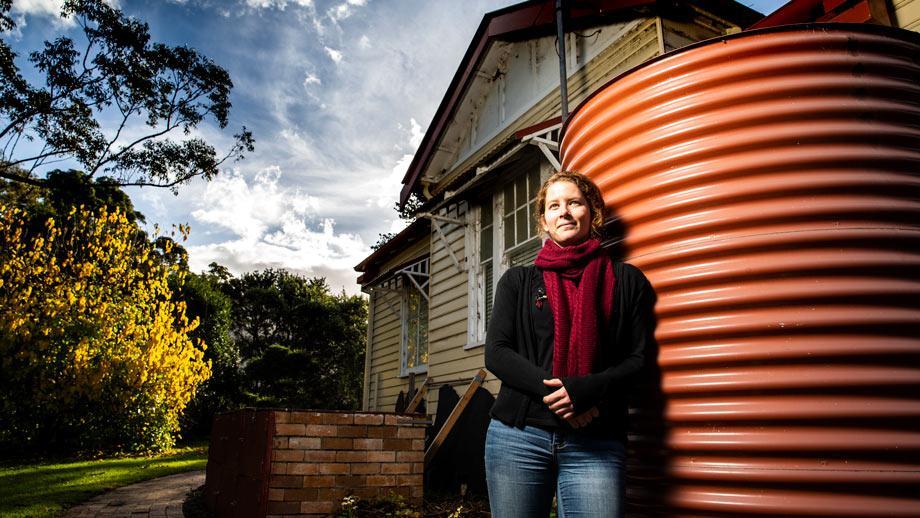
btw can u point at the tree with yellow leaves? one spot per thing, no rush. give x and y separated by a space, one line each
95 354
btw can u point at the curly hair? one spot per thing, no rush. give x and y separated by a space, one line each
590 191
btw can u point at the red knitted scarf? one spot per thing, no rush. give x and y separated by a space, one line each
579 285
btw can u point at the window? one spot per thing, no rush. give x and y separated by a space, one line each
505 236
415 331
414 348
486 265
521 242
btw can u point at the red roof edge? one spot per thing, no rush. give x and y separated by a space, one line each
843 11
537 127
796 11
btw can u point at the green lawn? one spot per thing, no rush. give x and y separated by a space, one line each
45 490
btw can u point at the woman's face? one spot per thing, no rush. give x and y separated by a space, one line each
566 217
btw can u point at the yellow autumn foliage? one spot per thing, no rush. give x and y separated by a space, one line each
95 354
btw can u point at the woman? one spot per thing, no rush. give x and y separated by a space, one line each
566 337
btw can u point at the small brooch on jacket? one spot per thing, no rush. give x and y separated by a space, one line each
541 296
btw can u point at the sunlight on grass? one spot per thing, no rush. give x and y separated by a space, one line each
44 490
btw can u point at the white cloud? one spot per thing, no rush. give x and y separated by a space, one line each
364 42
277 4
345 9
38 7
311 79
301 146
415 134
151 198
340 12
43 8
334 55
386 190
273 227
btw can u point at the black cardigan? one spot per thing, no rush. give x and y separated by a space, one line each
519 351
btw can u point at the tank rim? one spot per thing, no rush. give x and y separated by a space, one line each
896 32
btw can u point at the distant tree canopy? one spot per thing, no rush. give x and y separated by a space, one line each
301 345
223 391
136 83
275 339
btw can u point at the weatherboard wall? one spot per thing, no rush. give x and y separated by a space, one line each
385 336
449 358
907 14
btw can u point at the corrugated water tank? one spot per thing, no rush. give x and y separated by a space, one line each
768 184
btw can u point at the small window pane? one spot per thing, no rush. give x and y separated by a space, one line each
485 243
520 187
485 215
532 218
509 231
413 304
423 333
525 254
522 229
509 199
411 343
534 181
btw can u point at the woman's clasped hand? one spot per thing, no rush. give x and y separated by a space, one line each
561 404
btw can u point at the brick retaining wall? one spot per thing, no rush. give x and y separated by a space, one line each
317 458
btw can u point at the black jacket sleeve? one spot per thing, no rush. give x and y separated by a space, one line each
638 319
504 356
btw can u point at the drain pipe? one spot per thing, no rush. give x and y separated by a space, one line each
563 74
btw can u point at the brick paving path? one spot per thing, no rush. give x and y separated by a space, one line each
157 498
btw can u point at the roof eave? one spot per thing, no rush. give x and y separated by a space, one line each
416 230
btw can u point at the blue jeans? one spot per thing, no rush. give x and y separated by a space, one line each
524 468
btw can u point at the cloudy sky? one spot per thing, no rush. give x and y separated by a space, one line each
338 95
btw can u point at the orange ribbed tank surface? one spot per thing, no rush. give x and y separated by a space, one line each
768 184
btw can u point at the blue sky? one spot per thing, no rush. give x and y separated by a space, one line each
338 95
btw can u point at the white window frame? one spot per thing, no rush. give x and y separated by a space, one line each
476 318
408 286
476 330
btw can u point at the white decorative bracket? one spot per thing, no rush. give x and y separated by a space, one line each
418 274
547 139
436 220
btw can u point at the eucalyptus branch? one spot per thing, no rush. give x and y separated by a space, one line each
167 185
20 178
38 157
108 147
124 149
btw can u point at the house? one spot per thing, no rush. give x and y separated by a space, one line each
712 448
491 143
